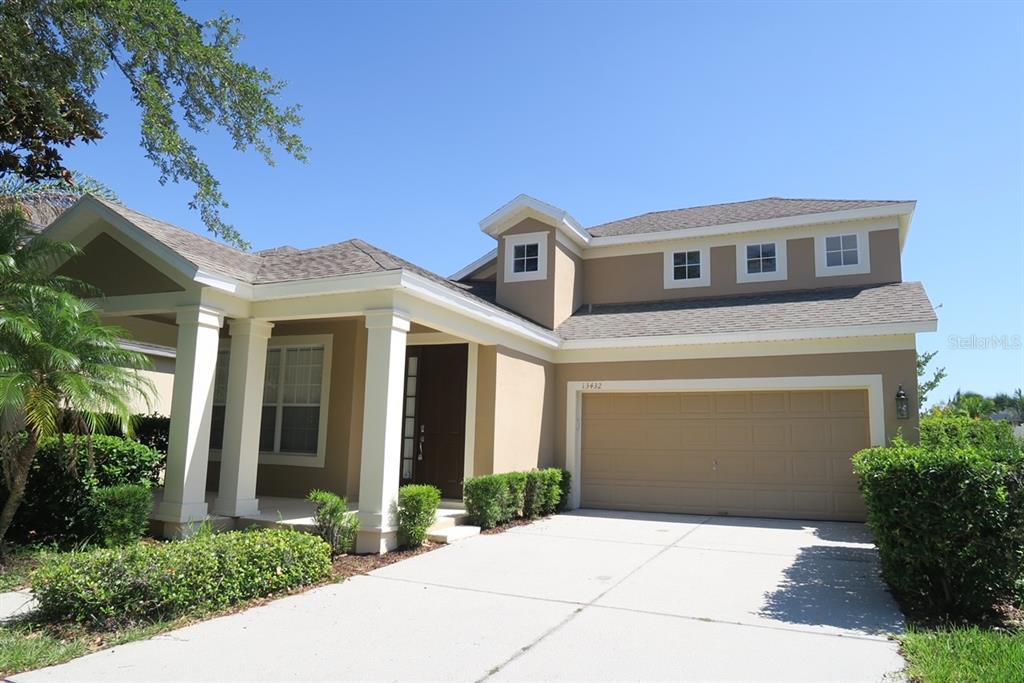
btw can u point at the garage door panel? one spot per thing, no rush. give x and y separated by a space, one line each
779 453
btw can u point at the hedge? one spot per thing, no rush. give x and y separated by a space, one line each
949 524
956 431
149 581
121 513
64 477
334 523
495 499
417 511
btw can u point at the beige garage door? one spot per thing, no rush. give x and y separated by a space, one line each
763 454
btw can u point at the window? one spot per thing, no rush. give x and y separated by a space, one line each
687 268
294 396
525 258
761 258
841 250
686 265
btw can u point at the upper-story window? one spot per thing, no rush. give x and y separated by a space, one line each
761 261
687 268
526 257
842 253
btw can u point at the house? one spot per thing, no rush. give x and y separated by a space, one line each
722 359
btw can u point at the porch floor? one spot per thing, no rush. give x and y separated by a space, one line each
297 513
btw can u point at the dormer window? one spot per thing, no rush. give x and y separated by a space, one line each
526 257
843 253
687 268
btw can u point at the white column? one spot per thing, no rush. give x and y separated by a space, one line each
188 449
469 447
240 454
382 431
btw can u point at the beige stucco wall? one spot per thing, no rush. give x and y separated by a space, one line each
568 284
344 417
640 277
533 299
896 367
162 377
110 266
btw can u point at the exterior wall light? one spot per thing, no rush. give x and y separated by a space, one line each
902 404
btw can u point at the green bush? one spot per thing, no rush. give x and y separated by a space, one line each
58 496
486 499
334 523
949 524
564 486
121 513
149 581
944 432
417 511
495 499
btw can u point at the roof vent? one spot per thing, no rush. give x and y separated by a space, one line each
279 250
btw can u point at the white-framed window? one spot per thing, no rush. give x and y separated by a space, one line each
526 257
761 261
841 253
296 388
687 268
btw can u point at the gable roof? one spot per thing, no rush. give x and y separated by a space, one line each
726 214
901 302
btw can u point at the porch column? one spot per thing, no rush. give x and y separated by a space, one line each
382 431
239 459
188 448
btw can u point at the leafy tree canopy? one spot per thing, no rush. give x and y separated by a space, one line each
183 75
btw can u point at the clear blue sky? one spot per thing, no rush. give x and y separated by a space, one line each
424 118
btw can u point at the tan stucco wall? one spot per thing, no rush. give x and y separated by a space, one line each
568 284
533 299
162 377
640 277
344 417
896 367
515 411
111 267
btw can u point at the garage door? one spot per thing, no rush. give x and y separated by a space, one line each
763 454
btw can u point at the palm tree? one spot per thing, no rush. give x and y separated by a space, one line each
56 357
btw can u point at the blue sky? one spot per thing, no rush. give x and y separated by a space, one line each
423 118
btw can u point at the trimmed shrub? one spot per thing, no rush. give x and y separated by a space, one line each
533 499
417 510
564 486
486 499
148 581
949 524
959 431
121 513
514 502
334 523
65 475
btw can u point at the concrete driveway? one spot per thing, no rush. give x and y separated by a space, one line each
587 596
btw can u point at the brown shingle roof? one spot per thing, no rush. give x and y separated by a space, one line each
724 214
902 302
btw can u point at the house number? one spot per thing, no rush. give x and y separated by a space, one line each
590 386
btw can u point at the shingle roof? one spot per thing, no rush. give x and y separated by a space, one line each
724 214
902 302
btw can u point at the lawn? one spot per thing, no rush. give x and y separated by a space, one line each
964 655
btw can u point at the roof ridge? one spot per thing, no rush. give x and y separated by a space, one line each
362 246
121 207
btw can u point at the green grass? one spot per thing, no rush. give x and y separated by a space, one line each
964 655
25 649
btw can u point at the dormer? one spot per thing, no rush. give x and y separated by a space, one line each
538 263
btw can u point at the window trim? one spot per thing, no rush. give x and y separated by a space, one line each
513 241
298 459
863 264
669 271
781 262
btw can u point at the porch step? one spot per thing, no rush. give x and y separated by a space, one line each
451 534
447 521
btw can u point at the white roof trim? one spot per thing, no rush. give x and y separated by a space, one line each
149 349
902 209
475 265
523 206
885 329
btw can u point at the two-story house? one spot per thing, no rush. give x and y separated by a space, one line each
724 359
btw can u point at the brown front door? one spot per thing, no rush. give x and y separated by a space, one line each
434 428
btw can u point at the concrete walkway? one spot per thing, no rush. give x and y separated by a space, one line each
589 596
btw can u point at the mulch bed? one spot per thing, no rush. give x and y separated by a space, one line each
354 565
510 525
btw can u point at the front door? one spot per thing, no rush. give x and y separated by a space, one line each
434 428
